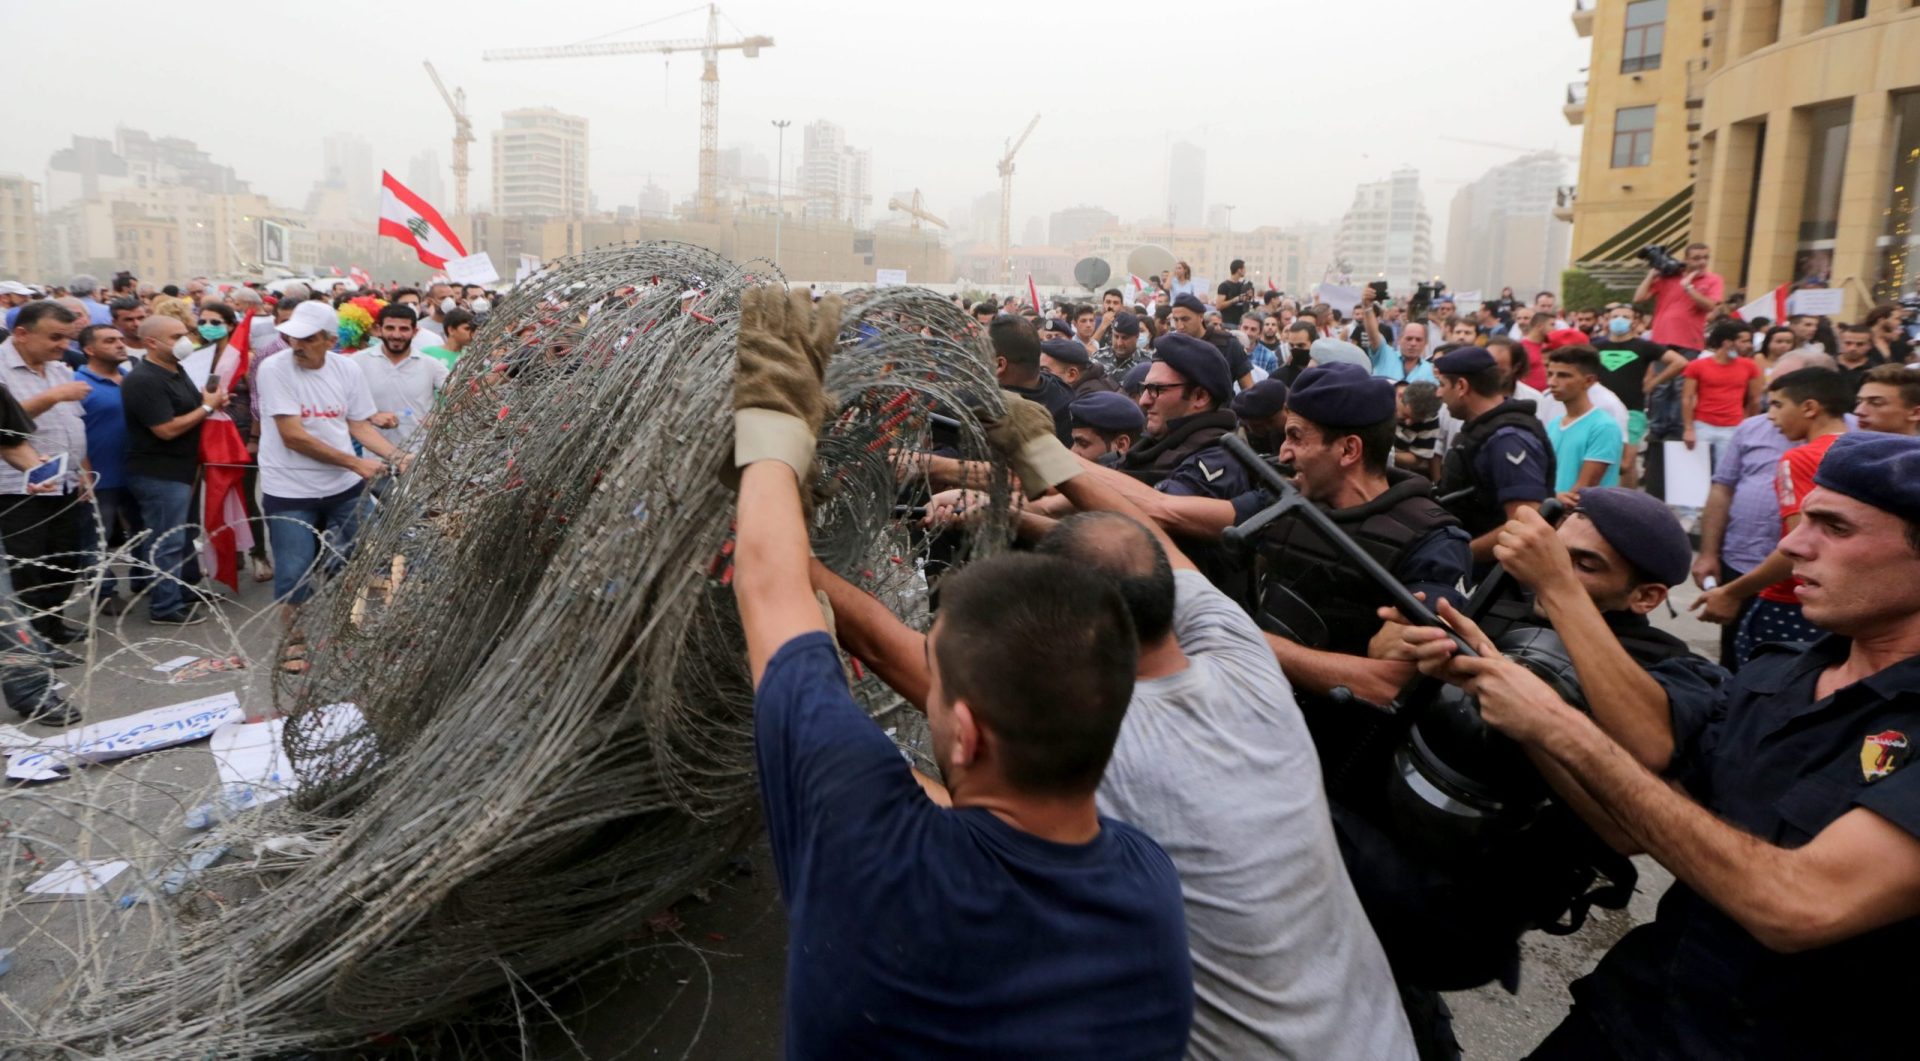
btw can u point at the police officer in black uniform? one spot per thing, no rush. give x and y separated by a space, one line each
1450 913
1339 441
1185 396
1262 409
1791 930
1106 425
1071 364
1500 460
1016 349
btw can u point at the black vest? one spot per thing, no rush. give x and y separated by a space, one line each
1153 461
1480 511
1309 571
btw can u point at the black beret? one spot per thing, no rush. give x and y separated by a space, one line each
1126 324
1875 468
1263 399
1107 411
1642 529
1135 378
1342 396
1067 351
1054 324
1189 302
1464 361
1199 362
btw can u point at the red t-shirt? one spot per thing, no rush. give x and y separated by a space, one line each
1792 485
1536 376
1722 388
1677 319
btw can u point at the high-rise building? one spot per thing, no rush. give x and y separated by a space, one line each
1501 229
836 181
540 164
1186 185
19 229
347 164
424 177
983 225
1387 233
1076 224
654 200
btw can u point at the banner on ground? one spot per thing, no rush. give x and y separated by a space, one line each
119 738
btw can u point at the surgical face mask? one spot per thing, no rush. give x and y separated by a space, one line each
447 304
213 333
182 348
1618 327
481 305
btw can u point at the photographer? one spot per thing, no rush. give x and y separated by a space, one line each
1682 300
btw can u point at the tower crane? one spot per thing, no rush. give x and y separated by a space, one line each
462 136
709 48
1006 201
916 209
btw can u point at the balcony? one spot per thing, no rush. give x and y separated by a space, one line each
1583 18
1563 198
1576 106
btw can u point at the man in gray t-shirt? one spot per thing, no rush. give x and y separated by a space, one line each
1215 763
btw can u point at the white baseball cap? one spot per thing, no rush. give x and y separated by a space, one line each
14 287
310 317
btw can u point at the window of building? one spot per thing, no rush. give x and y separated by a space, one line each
1899 241
1820 202
1632 137
1646 33
1838 11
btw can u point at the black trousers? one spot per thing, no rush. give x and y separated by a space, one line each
44 528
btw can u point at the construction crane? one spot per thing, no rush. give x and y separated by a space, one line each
1006 201
462 136
1506 147
709 48
915 209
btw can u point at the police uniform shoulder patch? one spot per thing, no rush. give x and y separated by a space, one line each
1209 473
1882 753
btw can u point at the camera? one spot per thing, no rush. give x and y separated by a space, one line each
1662 262
1423 297
1379 290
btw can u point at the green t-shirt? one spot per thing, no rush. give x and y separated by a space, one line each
441 354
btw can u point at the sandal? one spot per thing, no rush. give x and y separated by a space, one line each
293 658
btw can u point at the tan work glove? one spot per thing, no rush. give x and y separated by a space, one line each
1024 438
778 399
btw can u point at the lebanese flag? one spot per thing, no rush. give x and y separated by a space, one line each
1772 305
359 276
411 220
1270 286
223 455
1033 292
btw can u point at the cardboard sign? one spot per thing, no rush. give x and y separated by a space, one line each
889 278
472 269
1818 301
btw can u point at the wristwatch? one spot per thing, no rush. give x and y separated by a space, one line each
205 408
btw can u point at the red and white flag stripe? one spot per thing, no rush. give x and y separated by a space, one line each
414 222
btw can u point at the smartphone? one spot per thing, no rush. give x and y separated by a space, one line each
52 470
213 382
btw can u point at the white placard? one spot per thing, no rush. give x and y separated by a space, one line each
252 759
1342 297
75 878
162 727
1818 301
472 269
174 664
889 278
1467 296
529 265
1689 473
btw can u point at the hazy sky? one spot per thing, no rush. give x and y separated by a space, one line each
1294 101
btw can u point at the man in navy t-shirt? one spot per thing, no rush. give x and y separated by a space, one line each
1015 923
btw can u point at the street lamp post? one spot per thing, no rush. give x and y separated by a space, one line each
780 188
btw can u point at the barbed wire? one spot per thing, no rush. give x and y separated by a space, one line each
536 625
